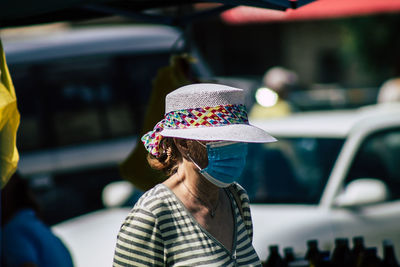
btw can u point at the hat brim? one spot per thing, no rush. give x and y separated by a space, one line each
235 132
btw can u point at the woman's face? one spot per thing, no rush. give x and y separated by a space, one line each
198 152
194 149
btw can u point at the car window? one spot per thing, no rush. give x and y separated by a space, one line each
379 158
292 170
78 100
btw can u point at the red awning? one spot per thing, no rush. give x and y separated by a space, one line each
321 9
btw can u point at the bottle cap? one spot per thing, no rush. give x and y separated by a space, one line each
387 242
273 248
312 243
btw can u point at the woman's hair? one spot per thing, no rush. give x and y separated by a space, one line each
170 156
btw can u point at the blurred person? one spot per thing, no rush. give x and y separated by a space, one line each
178 73
198 216
272 98
25 240
389 92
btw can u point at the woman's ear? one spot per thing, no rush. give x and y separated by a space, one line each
182 145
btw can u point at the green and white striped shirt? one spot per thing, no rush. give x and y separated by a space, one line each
159 231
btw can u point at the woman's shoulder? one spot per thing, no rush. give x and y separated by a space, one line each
238 187
154 199
245 206
240 191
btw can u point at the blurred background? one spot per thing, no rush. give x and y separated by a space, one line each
76 87
83 86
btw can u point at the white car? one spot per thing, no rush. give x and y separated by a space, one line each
331 174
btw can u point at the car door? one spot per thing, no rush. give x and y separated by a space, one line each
378 157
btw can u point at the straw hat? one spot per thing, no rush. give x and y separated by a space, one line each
204 111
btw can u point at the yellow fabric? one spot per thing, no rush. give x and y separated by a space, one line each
135 168
9 122
280 109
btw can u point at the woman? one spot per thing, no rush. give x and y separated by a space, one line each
199 216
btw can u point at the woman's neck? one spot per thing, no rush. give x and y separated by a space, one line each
189 179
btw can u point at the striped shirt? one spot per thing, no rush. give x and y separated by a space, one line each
160 231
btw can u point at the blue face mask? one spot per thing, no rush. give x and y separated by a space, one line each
226 161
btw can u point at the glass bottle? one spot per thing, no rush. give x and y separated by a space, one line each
370 258
274 259
341 256
357 250
288 255
313 255
389 256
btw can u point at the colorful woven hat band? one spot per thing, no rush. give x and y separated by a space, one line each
194 118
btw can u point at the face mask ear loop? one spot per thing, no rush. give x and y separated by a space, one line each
198 167
203 145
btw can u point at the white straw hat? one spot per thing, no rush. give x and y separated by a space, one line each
204 111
